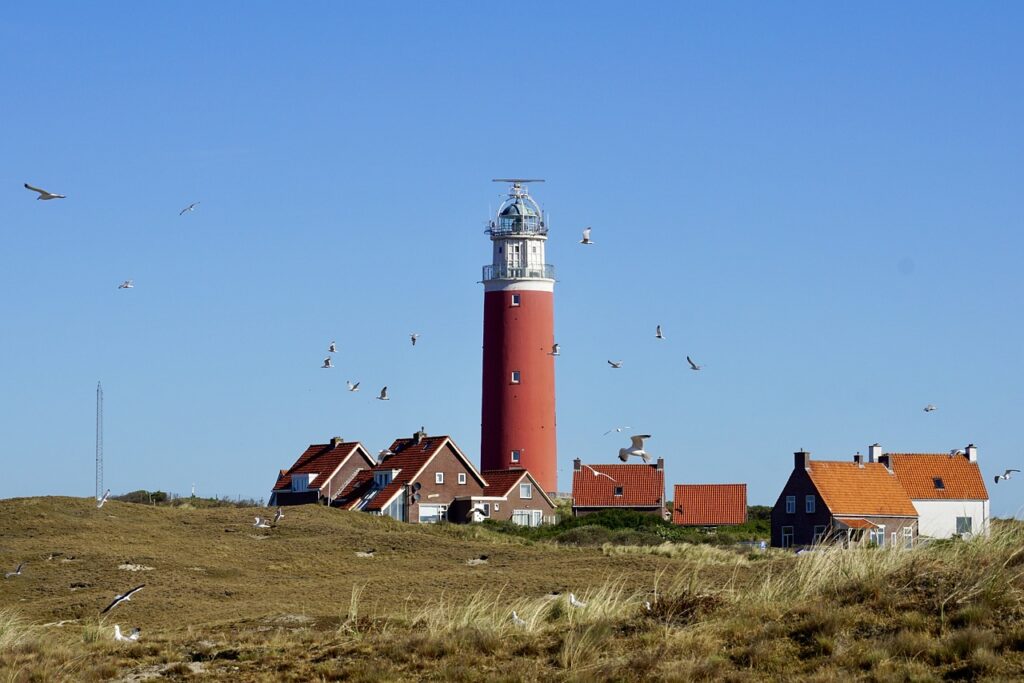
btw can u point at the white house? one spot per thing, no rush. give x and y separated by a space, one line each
947 490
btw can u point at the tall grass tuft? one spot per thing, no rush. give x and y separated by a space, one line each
13 630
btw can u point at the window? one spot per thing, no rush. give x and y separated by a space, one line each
809 504
515 299
908 537
300 482
819 535
438 477
787 537
497 506
526 491
790 505
877 536
939 484
618 490
462 477
516 455
515 376
963 525
430 514
487 509
527 517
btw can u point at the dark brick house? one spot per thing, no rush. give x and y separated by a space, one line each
321 472
619 487
850 502
510 495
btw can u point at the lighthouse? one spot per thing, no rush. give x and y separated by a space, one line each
517 426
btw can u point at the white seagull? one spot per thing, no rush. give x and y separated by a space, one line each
43 194
332 348
600 474
261 523
127 284
352 387
616 364
658 334
383 395
1008 474
413 337
16 572
278 516
517 620
693 366
127 595
327 363
586 236
366 553
616 429
133 636
576 602
636 448
101 501
930 408
188 209
556 350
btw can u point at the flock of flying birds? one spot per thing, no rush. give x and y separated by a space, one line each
354 386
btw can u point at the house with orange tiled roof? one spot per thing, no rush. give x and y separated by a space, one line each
322 471
947 489
416 480
511 495
850 502
709 504
618 487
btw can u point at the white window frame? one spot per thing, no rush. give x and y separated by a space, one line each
517 377
526 491
516 300
440 510
809 504
497 507
462 477
517 456
908 537
787 537
438 477
970 525
790 505
877 536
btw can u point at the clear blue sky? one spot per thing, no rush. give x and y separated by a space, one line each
823 205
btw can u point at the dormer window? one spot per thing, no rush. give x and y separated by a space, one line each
618 490
300 482
939 484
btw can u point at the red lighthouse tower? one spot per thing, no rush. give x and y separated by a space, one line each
518 408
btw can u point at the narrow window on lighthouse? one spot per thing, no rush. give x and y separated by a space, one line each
515 377
515 456
515 299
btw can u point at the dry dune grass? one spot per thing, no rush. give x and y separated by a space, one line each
224 601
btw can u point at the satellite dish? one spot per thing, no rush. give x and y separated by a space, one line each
416 486
415 497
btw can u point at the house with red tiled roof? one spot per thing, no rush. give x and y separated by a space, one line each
322 471
416 480
947 489
851 502
618 487
709 504
510 495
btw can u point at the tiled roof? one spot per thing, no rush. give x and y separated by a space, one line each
594 486
849 489
358 487
709 504
961 478
321 459
409 457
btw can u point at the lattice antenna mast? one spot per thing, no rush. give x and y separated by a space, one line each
99 440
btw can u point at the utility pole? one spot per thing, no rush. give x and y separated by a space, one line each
99 440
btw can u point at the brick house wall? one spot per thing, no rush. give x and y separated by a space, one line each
449 464
800 486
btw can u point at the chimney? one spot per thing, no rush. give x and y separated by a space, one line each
660 464
972 453
859 459
419 436
874 453
336 441
802 460
576 464
884 459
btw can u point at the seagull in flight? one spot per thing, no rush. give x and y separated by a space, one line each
616 364
43 194
413 337
188 209
384 453
586 236
658 334
556 350
930 408
383 395
278 516
517 620
127 284
1008 474
616 429
576 602
352 387
636 448
124 597
101 501
332 348
133 636
16 572
693 366
261 523
327 363
600 474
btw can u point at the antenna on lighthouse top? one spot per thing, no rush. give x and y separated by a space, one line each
517 184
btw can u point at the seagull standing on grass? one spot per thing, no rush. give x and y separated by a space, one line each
693 366
352 387
16 572
278 516
188 209
366 553
930 408
658 334
636 448
101 501
586 236
124 597
383 395
616 364
517 620
1008 474
327 363
261 523
43 194
133 636
127 284
576 602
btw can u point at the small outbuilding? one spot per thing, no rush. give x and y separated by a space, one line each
618 487
709 504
